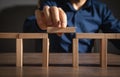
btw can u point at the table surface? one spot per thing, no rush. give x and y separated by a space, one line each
60 65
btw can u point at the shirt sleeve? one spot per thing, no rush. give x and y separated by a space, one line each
110 24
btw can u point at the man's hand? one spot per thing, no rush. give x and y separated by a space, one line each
51 17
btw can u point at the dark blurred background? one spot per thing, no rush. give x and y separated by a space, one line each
14 12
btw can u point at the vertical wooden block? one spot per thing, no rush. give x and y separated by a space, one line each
75 53
103 53
45 51
19 72
19 52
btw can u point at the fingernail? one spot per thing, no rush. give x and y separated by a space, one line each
63 25
59 24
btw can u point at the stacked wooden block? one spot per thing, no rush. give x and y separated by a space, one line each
45 52
19 45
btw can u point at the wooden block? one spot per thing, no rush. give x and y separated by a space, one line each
8 35
103 37
19 52
75 53
45 52
61 30
103 53
118 35
33 35
112 35
19 72
90 35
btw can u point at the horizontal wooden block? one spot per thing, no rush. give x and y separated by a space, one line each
33 35
8 35
61 30
112 35
90 35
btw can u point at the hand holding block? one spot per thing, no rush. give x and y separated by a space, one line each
61 30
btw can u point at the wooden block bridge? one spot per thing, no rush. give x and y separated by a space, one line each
45 52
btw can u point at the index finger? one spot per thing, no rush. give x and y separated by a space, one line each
40 19
47 14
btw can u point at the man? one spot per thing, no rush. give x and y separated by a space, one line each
88 16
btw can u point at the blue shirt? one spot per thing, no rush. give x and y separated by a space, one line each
93 16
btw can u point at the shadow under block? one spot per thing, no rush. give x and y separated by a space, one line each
61 30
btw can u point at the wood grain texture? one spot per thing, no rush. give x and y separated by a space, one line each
61 30
60 66
103 53
19 52
98 35
75 53
90 35
45 53
112 35
8 35
33 35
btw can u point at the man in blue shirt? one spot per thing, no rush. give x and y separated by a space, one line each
88 16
